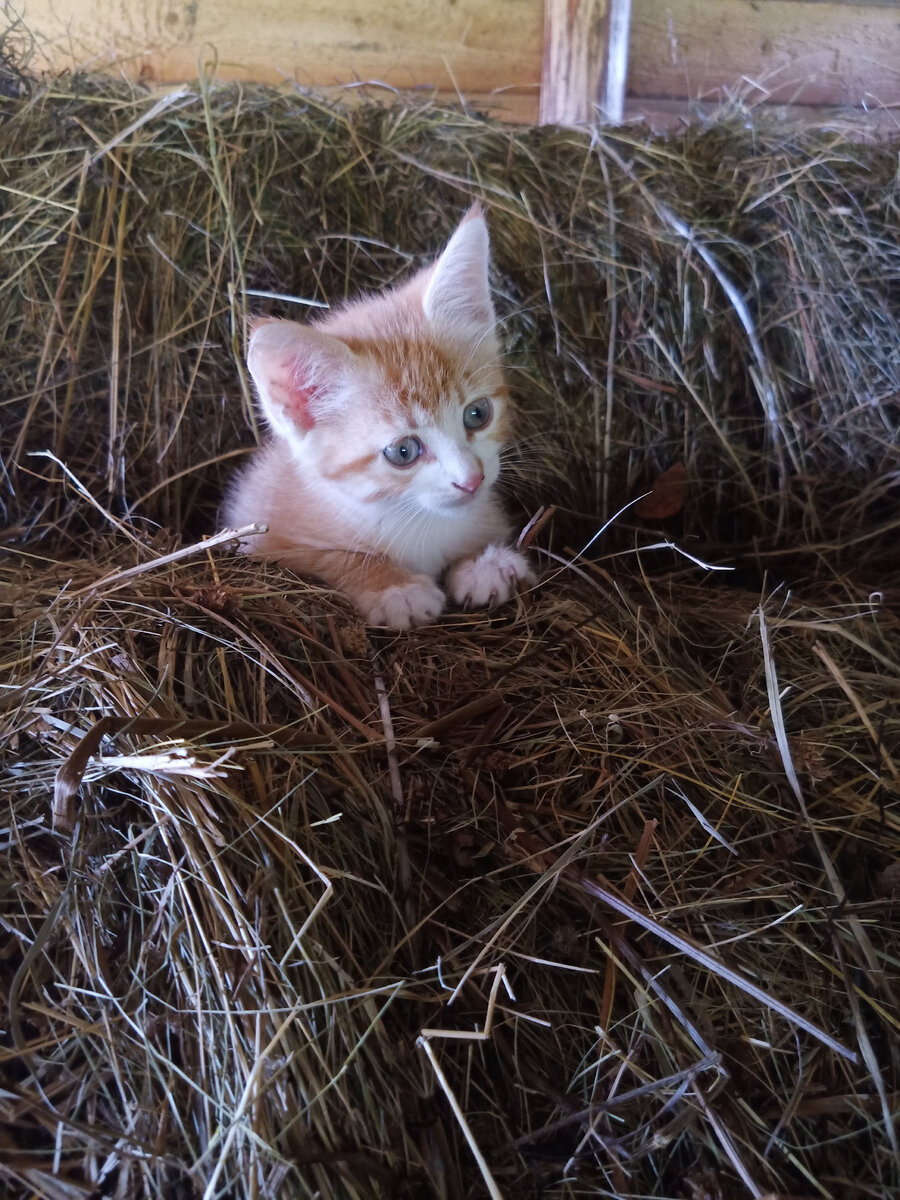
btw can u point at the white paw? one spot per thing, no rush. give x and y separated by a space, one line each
490 578
419 602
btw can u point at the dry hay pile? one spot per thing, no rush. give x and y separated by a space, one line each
627 851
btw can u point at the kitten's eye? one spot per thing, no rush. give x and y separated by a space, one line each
403 452
478 414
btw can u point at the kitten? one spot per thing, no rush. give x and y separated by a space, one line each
388 416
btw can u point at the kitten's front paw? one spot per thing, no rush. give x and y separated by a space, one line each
418 602
490 578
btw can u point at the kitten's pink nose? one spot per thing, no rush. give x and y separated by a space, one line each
471 483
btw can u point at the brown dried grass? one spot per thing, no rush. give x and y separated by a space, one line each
593 895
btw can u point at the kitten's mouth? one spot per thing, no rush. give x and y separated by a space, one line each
458 501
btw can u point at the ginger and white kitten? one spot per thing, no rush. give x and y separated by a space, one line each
388 418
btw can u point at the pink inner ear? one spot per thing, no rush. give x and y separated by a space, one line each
299 373
294 393
302 415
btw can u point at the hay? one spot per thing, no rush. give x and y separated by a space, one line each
134 226
588 896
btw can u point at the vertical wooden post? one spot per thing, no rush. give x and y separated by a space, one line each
585 50
612 103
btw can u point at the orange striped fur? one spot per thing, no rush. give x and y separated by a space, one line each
388 417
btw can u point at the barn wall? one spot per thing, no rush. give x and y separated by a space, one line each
789 51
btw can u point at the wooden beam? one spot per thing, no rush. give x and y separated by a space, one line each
575 39
585 63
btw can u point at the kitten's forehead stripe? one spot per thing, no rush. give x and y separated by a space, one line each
422 377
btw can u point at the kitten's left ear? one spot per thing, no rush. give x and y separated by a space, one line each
458 295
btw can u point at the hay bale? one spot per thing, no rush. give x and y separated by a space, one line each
626 852
134 226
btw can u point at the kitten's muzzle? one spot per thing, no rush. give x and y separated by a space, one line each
471 483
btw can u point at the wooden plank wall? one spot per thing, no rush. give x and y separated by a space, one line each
811 52
786 51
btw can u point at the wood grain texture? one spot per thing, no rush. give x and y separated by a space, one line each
787 51
465 44
575 42
801 51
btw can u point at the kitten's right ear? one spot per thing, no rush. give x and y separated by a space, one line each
458 295
299 372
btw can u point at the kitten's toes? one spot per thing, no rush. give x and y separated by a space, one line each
489 579
418 602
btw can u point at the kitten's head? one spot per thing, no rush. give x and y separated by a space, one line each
398 397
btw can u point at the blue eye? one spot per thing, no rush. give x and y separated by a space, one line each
403 452
477 414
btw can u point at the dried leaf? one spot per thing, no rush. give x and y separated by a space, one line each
666 497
